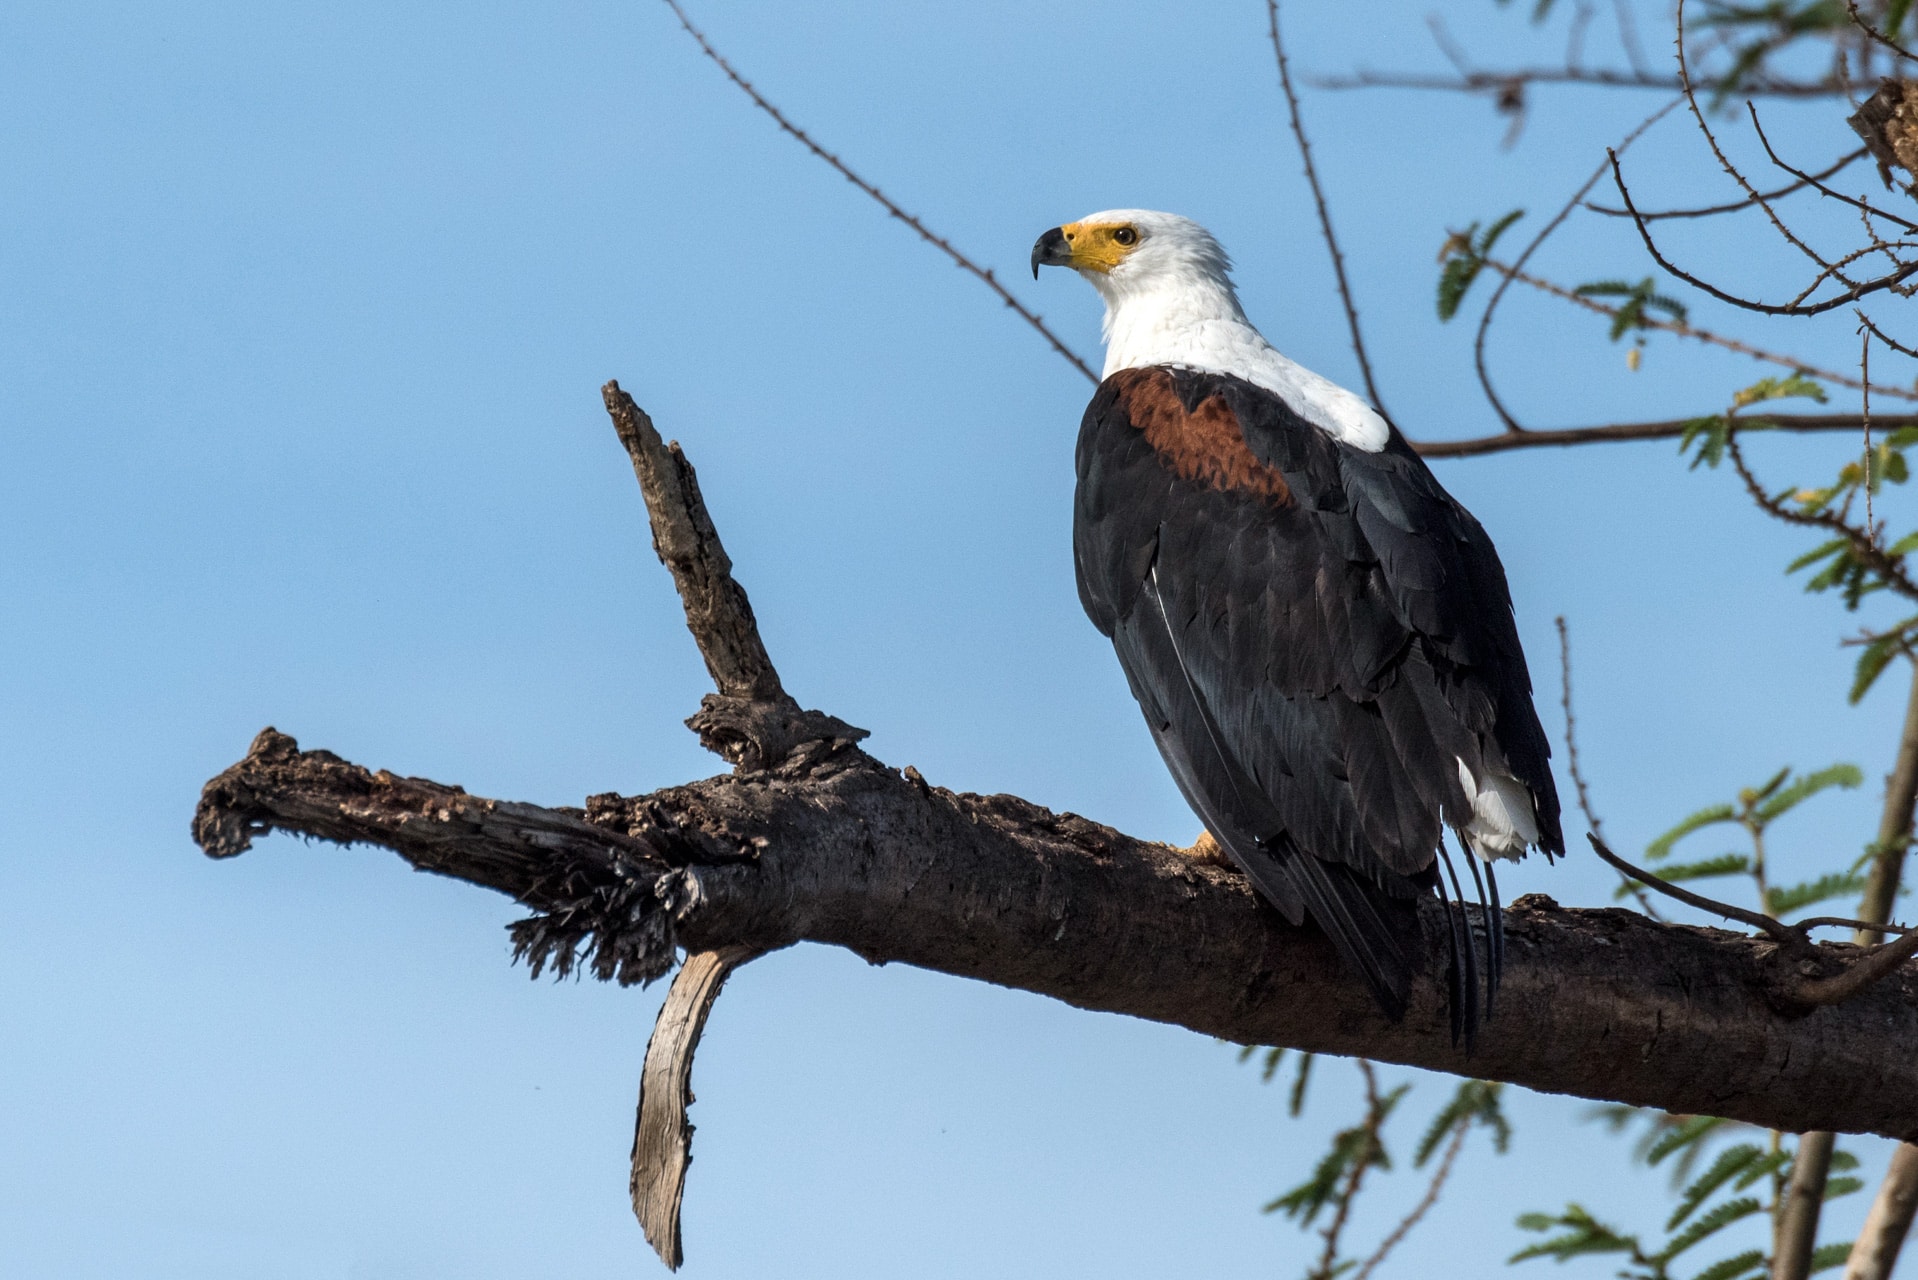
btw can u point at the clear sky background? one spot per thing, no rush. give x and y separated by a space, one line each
303 316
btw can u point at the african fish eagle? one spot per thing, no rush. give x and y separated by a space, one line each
1320 637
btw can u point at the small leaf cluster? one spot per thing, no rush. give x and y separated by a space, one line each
1635 301
1754 810
1362 1145
1463 257
1711 434
1852 562
1709 1202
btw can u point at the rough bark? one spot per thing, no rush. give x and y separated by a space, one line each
830 846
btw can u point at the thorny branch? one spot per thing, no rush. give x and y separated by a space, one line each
1621 432
1714 210
1572 761
1512 425
1876 962
1864 544
1439 1177
985 275
1325 216
1682 329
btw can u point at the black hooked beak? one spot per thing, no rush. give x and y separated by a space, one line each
1051 251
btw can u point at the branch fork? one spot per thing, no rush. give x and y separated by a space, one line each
809 838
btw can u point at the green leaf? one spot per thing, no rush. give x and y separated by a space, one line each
1827 1256
1497 229
1835 1187
1709 1223
1712 433
1902 438
1770 1164
1782 902
1661 848
1805 787
1733 1267
1457 277
1475 1100
1842 1161
1904 546
1730 1163
1822 550
1791 386
1690 1130
1872 662
1297 1102
1584 1234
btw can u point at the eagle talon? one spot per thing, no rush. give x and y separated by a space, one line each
1207 851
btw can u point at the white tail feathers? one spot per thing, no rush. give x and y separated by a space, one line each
1504 824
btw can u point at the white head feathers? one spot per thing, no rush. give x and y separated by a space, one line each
1169 299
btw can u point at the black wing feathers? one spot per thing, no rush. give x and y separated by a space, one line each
1317 636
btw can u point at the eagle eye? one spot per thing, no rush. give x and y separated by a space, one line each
1126 236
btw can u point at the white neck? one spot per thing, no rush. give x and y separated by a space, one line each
1196 322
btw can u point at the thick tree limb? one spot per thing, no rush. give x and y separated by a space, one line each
830 846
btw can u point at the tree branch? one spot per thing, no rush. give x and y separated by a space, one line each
830 846
1325 216
1670 429
985 275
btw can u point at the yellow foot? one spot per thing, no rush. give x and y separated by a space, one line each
1206 849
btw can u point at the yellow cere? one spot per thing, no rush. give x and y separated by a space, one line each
1099 246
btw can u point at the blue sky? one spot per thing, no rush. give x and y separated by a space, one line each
304 317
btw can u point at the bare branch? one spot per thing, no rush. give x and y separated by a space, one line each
1819 185
1491 305
1426 1201
1325 216
1851 7
1680 328
662 1136
1863 545
832 847
1799 1211
983 274
1578 773
1495 82
1619 432
1713 210
1764 308
1883 1235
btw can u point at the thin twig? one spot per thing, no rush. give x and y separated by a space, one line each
1628 35
985 275
1781 933
1571 756
1491 305
1713 210
1763 308
1496 81
1325 216
1864 374
1851 7
1681 329
1425 1203
1863 546
1711 140
1809 179
1355 1177
1879 334
1620 432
